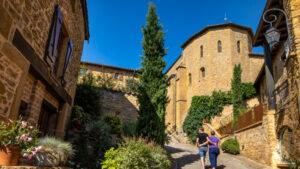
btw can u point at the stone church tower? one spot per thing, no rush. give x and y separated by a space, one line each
206 65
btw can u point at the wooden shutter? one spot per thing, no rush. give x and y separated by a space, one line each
68 56
51 51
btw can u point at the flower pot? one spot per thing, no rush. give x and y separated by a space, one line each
9 155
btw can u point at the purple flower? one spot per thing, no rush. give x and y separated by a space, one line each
30 156
24 124
25 155
38 148
29 139
23 137
31 127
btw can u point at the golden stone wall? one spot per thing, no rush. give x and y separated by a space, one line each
218 67
32 19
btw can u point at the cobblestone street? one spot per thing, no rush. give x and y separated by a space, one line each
185 156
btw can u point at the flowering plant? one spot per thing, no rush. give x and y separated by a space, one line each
20 133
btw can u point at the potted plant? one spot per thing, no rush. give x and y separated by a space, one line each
17 138
54 153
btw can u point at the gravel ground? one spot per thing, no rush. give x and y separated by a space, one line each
185 156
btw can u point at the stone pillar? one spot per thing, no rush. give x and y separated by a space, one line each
181 99
269 124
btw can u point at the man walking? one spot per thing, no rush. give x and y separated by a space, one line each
201 143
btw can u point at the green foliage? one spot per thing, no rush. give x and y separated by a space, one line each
88 96
248 90
153 82
20 133
132 85
105 82
129 129
79 114
91 146
136 154
204 107
236 88
114 122
231 146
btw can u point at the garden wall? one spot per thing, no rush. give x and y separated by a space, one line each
258 141
120 103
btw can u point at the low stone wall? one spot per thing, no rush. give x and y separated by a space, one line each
258 141
123 104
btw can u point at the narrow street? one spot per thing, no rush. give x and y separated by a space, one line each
185 156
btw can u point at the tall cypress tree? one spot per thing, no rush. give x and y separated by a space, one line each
236 87
153 86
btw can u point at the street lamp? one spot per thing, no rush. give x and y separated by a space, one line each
272 35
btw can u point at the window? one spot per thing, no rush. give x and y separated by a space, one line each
201 51
219 46
238 44
202 72
120 76
60 47
190 78
48 119
116 76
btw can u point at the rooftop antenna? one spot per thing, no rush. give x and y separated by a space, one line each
225 18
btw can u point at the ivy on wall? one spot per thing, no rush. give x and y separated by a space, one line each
206 107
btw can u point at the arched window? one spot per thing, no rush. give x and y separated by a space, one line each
201 51
190 78
202 72
238 45
285 142
219 46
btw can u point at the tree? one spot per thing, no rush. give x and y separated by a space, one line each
236 88
153 83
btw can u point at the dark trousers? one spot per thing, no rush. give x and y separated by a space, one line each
213 154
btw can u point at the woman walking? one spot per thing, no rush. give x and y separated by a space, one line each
214 149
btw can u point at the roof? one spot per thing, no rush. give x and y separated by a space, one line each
214 27
263 26
109 66
173 64
86 20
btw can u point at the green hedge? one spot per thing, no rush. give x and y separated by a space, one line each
114 122
231 146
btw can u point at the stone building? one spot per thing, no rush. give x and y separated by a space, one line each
278 82
116 98
206 65
41 45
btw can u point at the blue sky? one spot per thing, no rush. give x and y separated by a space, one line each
115 25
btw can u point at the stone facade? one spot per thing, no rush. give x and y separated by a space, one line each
115 100
30 85
206 65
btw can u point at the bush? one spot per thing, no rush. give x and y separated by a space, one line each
136 154
129 129
231 146
114 122
248 90
132 85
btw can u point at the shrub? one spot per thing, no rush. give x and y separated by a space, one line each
131 85
231 146
136 154
248 90
114 122
129 129
54 152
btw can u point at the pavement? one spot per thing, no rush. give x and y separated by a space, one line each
186 156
